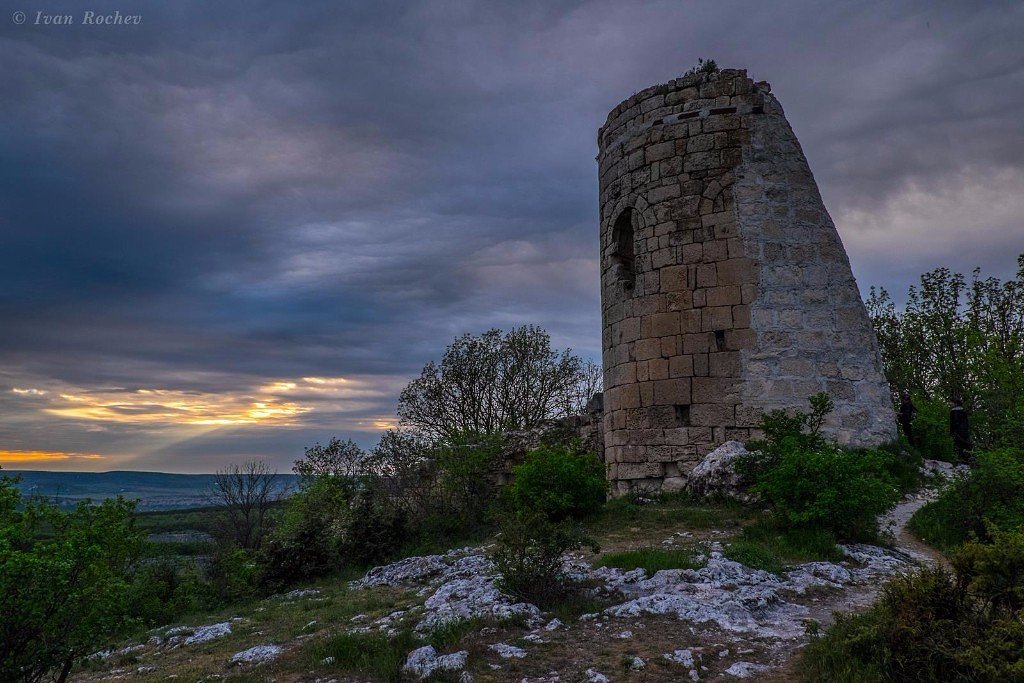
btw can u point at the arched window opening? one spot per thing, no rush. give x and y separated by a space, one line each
623 256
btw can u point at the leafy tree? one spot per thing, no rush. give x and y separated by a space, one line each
337 459
958 338
65 581
492 383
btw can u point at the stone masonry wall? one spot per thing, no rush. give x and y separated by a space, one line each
725 287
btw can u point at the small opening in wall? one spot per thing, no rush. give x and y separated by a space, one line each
623 255
720 340
682 416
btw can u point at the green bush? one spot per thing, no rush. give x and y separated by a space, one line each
559 483
164 590
813 483
991 495
233 574
309 541
934 625
529 553
464 486
830 488
994 572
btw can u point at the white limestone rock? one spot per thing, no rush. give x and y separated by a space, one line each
424 662
508 651
257 654
716 474
745 669
205 634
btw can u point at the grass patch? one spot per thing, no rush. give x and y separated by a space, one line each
651 560
668 512
367 654
765 546
450 633
575 605
936 524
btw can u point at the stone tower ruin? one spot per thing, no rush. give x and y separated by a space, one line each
725 289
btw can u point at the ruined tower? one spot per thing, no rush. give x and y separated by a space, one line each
725 289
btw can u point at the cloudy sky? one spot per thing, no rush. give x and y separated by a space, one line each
237 228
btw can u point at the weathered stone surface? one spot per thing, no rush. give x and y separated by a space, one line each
726 291
424 662
257 654
716 474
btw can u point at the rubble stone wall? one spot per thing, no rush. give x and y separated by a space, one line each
726 290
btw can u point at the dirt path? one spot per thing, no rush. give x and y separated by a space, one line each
895 523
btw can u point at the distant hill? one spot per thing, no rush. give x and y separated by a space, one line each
153 490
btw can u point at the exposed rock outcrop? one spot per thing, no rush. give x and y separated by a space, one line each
716 475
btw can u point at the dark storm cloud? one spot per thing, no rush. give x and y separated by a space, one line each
233 195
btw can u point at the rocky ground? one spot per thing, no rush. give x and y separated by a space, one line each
720 621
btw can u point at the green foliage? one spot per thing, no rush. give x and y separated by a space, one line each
529 553
164 590
409 492
559 483
786 432
376 530
651 560
994 572
990 496
464 484
233 574
958 338
934 625
812 483
931 429
65 581
309 541
768 546
830 488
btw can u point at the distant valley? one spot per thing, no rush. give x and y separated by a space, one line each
153 490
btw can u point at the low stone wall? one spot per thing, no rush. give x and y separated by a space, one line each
517 444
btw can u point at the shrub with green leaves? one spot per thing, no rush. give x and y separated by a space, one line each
529 557
559 483
813 483
990 496
830 488
935 625
163 590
